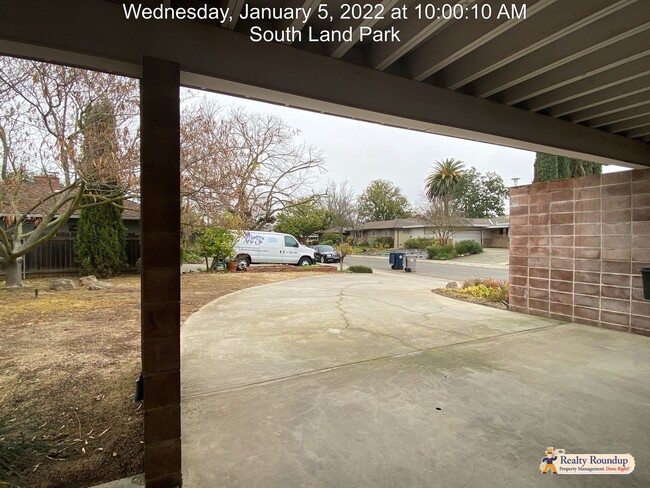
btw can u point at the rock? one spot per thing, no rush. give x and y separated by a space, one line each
452 284
87 280
101 285
62 284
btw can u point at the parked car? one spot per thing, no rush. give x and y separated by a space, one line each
326 254
272 248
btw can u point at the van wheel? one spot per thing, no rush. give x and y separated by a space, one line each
243 262
305 261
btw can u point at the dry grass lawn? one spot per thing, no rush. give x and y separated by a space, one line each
68 365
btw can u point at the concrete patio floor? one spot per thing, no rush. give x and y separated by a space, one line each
374 381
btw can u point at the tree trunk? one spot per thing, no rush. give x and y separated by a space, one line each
14 275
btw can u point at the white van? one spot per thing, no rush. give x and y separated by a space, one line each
271 247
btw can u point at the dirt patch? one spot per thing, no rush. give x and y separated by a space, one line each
451 293
68 365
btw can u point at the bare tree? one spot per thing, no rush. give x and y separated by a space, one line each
242 166
443 219
340 205
40 134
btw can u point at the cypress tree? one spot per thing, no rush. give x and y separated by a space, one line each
546 167
100 245
549 167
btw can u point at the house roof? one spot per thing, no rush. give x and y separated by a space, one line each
392 224
495 222
491 223
31 197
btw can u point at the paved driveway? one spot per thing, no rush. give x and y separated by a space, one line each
373 381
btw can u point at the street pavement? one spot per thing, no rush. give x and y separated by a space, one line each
492 263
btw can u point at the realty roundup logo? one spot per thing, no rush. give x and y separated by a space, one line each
557 461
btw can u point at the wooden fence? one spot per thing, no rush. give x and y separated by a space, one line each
57 255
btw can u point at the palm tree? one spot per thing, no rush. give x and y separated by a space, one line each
442 181
439 187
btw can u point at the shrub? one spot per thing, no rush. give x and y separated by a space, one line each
100 243
487 293
384 242
215 242
471 282
468 247
363 243
191 255
492 283
359 268
487 289
331 239
441 251
420 243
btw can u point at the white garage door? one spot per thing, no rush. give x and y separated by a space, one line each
468 235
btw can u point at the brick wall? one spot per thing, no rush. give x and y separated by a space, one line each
576 247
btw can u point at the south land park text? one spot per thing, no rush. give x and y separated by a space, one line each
345 22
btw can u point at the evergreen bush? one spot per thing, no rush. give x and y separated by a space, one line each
331 239
386 242
100 245
441 252
359 268
468 247
420 243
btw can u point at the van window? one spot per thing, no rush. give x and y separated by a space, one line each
290 242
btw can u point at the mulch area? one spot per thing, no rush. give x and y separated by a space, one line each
451 293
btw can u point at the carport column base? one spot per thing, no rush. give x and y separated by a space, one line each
160 319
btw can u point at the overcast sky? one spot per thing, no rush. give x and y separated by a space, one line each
360 152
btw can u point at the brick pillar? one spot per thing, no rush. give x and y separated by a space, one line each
577 247
160 319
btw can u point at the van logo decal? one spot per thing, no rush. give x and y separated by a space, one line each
253 239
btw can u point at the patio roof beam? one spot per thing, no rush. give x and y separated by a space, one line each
604 102
414 32
622 116
601 38
234 7
555 22
460 39
339 49
316 82
612 83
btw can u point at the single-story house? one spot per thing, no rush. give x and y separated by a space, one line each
57 255
37 189
491 232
